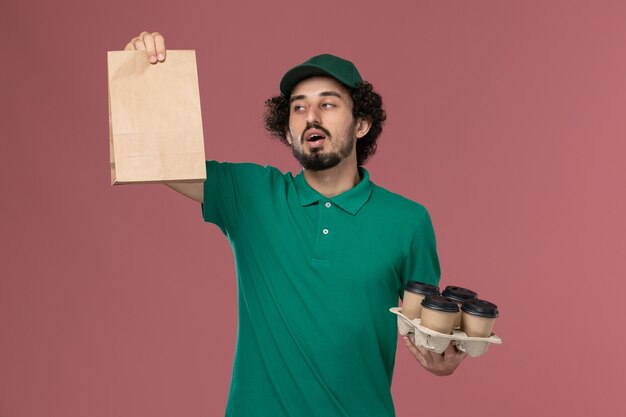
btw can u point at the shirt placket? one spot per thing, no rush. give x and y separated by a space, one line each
324 231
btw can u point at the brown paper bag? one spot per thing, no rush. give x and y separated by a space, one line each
155 125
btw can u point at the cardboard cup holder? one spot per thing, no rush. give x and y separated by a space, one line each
438 342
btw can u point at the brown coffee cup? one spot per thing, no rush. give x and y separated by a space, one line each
478 318
414 293
460 295
439 313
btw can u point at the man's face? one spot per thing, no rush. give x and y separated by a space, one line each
322 131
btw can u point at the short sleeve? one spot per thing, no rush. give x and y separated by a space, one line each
229 192
422 262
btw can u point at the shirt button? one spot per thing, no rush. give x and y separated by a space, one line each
325 231
328 205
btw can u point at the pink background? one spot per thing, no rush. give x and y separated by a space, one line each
506 119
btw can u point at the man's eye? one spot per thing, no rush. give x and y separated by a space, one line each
298 108
328 105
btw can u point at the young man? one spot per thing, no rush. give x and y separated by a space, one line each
321 257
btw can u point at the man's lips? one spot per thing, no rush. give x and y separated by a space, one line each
315 134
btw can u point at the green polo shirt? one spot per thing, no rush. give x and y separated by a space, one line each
316 277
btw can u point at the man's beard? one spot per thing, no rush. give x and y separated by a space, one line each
317 159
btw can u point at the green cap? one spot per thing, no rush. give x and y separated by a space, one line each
340 69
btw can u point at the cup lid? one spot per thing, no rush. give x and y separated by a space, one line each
422 288
480 308
459 294
440 303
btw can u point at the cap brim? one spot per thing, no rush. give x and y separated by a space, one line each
301 72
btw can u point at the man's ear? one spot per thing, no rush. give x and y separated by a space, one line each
362 127
288 136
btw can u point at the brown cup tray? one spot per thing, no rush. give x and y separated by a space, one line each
438 342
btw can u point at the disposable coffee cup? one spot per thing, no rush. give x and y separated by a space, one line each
478 318
414 293
460 295
439 313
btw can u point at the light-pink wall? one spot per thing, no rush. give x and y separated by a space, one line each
506 119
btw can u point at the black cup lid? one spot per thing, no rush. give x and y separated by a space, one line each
459 294
480 308
422 288
441 303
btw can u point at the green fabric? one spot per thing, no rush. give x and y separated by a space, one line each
315 337
340 69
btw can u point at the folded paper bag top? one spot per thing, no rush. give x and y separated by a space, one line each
155 123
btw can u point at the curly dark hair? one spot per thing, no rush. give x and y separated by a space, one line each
366 104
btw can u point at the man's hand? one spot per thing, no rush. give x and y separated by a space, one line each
439 364
153 43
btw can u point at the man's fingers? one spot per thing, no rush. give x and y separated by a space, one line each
438 358
159 41
427 355
415 352
138 44
421 359
453 356
449 355
437 363
410 345
153 43
148 41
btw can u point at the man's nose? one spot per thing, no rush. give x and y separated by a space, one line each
313 115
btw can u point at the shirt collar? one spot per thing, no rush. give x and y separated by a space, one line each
350 201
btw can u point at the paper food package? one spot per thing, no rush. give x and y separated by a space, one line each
155 123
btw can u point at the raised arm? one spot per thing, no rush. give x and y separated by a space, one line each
154 45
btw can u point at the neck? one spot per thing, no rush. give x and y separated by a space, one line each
334 181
